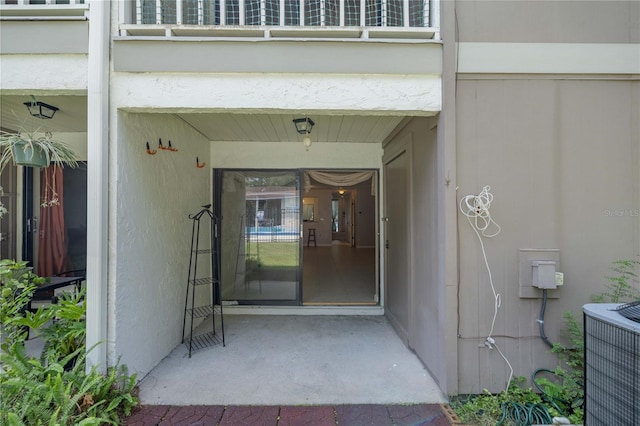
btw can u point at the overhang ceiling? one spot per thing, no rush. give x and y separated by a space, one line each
215 126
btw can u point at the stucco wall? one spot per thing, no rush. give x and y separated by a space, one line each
151 197
562 158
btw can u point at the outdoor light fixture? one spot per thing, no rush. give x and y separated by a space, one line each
40 109
304 126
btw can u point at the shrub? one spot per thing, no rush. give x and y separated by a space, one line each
54 389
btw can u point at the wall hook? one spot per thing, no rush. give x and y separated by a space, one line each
199 164
160 144
170 148
150 151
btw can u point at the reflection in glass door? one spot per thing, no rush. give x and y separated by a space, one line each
260 251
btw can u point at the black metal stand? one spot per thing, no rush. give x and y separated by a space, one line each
195 281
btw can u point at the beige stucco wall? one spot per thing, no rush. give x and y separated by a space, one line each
150 234
562 159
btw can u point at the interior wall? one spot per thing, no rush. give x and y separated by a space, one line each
562 158
151 197
365 213
322 222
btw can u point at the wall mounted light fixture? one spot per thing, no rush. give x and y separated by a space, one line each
40 109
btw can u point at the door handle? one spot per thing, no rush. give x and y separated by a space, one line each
386 244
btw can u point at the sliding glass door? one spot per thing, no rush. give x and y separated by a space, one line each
260 212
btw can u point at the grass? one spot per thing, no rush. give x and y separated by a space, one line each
276 255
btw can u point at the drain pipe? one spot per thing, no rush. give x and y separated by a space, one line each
97 182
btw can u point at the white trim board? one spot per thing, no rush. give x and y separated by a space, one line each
555 58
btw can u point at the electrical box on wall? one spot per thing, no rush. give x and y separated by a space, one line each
538 270
544 274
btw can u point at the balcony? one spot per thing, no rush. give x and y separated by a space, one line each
328 19
49 10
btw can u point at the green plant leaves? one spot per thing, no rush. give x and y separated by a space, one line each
54 389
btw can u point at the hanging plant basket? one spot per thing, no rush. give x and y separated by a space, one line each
34 150
28 155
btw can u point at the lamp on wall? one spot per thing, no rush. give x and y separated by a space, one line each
40 109
304 126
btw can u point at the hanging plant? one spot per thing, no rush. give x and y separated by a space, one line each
34 150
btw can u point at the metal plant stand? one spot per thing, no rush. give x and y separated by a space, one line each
204 281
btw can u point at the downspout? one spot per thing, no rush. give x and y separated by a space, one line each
97 182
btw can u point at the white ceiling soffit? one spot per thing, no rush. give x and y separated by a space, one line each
71 117
280 128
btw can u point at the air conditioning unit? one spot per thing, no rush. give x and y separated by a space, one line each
612 365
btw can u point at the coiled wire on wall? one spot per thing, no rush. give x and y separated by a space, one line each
476 210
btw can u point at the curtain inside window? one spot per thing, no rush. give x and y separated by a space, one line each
52 250
339 179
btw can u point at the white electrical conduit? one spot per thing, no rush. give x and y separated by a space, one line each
476 209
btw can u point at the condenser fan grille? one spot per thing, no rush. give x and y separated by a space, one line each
630 311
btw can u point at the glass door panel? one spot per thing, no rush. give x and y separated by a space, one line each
260 237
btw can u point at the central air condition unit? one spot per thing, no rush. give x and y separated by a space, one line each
612 366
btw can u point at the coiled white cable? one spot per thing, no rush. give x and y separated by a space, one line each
476 207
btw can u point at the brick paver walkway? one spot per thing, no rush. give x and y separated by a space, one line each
343 415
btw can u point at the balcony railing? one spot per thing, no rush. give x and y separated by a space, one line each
40 2
367 13
309 14
251 18
43 9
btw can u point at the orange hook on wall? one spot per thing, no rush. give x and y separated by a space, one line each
150 151
199 164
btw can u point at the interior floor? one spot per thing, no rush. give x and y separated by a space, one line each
339 274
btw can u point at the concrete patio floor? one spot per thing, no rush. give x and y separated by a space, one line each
294 360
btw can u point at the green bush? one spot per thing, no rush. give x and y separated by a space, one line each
54 389
506 408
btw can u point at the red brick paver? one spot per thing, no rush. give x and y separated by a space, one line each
242 415
307 416
363 415
303 415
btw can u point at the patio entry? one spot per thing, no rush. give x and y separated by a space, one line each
297 237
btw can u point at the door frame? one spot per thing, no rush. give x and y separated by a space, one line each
217 187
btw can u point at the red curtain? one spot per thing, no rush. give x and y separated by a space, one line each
52 251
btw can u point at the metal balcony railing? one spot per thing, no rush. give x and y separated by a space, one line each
286 13
36 10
